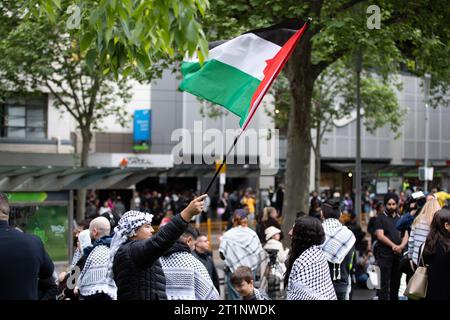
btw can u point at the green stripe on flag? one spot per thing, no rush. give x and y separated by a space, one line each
221 84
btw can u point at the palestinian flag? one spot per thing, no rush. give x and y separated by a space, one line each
238 72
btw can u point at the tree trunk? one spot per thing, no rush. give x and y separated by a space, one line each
317 158
299 136
81 193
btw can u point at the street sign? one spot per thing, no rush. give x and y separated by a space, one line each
426 173
382 186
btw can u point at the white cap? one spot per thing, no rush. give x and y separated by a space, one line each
271 231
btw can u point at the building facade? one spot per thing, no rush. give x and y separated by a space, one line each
40 168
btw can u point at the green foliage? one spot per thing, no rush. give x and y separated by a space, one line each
334 98
132 34
411 34
39 56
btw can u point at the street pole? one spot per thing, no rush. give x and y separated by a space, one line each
427 128
358 68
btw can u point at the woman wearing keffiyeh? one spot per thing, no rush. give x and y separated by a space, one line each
307 275
134 257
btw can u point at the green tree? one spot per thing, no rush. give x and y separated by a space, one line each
413 30
38 55
334 99
127 36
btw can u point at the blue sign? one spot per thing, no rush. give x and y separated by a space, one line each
142 126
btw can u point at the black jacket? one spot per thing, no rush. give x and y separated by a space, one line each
208 262
438 274
137 271
23 262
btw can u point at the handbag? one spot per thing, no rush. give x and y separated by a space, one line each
373 281
417 285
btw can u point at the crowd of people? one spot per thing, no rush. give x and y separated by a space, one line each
398 239
327 254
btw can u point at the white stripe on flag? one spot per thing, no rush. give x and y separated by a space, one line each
247 52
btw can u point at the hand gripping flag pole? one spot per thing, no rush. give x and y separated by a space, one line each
271 71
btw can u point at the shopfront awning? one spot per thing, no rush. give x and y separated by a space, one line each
24 178
57 179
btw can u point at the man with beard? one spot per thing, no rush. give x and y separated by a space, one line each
389 248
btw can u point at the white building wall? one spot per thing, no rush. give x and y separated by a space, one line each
140 100
59 123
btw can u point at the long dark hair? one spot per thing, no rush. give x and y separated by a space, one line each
438 234
307 231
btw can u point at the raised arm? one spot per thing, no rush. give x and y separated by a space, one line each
144 253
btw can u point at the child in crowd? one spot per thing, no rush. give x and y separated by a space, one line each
243 281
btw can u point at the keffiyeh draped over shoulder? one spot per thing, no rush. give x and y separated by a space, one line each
339 240
241 247
310 277
125 229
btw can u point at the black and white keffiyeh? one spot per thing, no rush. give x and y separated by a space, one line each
241 247
310 277
260 294
187 278
339 240
126 228
76 257
93 277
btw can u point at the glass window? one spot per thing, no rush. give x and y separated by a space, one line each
48 222
24 118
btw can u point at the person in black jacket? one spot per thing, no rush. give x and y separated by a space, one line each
24 263
134 256
203 254
436 254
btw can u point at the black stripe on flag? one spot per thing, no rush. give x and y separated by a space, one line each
279 33
214 44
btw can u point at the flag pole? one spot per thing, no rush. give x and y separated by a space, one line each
224 160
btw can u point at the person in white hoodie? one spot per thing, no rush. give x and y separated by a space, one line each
338 247
273 243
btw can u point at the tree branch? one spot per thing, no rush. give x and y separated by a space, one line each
60 86
330 84
394 19
319 67
68 108
83 93
347 5
69 80
325 126
92 100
